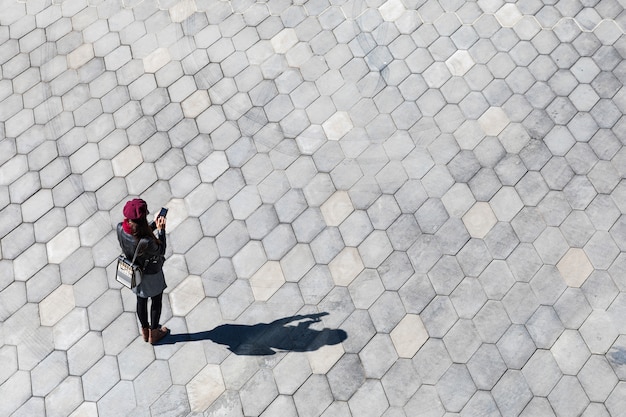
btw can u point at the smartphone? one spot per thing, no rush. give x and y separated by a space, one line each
163 212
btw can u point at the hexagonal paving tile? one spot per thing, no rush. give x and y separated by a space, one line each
358 171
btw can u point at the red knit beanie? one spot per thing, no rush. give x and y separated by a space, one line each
135 209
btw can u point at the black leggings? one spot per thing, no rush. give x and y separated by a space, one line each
155 311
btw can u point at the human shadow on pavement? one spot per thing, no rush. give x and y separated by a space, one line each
267 338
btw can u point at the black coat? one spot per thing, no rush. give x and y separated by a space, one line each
151 252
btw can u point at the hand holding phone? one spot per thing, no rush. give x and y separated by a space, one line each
159 221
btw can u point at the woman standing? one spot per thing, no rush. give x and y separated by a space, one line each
135 231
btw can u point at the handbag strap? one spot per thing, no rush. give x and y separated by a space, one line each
136 251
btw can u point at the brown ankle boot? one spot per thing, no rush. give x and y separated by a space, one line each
145 332
157 334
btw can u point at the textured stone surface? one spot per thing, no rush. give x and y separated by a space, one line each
396 208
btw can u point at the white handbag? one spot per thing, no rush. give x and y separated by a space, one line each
128 273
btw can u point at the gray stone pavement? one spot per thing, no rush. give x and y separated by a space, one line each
402 208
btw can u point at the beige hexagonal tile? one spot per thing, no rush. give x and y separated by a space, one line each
459 63
284 40
392 10
337 208
575 267
56 305
267 280
346 266
182 10
213 166
156 60
205 388
80 56
186 295
479 220
409 335
337 125
508 15
323 359
126 161
62 245
493 121
196 103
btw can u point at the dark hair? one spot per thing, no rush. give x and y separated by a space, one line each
140 229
